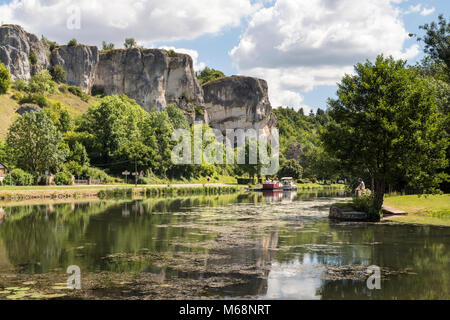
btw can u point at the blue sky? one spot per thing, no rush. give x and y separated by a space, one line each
301 47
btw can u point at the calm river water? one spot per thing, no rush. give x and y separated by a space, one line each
233 246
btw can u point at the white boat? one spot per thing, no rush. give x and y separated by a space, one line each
288 184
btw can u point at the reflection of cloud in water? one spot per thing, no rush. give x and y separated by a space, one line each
286 281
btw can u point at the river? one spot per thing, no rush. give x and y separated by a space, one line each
257 246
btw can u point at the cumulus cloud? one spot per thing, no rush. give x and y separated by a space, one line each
115 20
298 45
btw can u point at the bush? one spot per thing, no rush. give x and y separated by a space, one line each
21 85
33 58
58 73
366 204
73 43
79 93
18 177
98 91
38 99
63 179
5 79
42 83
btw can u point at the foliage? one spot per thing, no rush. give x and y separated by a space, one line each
364 204
107 46
18 177
58 73
60 117
209 74
20 85
437 41
41 83
385 123
177 117
51 44
291 168
72 43
130 43
33 58
38 99
5 79
63 178
79 93
35 143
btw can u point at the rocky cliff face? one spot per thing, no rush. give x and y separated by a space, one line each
80 63
16 48
150 76
153 77
239 103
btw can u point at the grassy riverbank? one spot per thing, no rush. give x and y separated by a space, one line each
79 192
427 210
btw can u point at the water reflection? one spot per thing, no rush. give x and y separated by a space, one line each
264 245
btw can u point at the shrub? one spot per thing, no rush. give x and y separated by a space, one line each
33 58
79 93
21 85
73 43
98 91
58 73
365 204
52 45
5 79
42 83
38 99
130 43
63 179
18 177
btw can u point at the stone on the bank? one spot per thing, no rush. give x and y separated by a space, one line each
347 214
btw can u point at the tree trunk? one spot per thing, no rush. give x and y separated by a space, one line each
380 187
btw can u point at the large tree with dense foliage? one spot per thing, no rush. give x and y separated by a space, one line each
437 41
35 144
386 121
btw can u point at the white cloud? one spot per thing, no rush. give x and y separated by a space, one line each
298 45
419 9
115 20
426 12
198 66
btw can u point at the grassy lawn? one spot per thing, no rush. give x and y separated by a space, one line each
430 210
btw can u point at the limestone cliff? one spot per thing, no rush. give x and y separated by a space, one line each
18 49
153 77
239 103
150 76
80 63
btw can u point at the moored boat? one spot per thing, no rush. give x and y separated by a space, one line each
288 184
273 185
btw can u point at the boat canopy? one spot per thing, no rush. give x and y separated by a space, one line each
287 179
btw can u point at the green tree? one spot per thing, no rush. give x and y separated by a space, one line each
177 117
5 79
72 43
35 143
291 168
58 73
209 74
112 123
437 41
130 43
41 83
107 46
386 121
